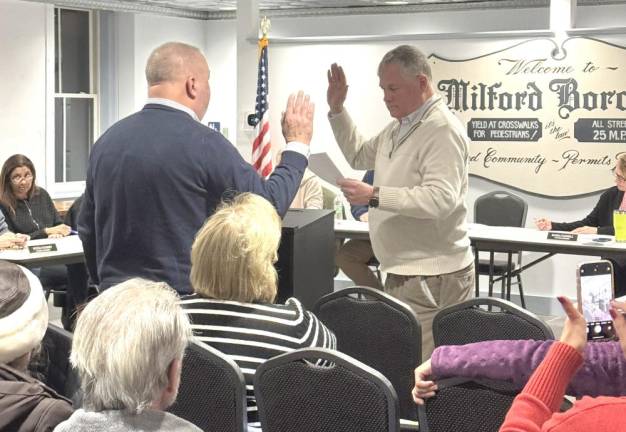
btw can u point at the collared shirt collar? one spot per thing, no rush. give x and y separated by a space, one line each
173 104
406 123
418 113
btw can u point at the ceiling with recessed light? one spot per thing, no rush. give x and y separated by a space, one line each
225 9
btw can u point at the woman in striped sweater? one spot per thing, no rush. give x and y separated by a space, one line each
235 283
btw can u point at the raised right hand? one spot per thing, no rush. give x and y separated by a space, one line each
575 328
543 224
297 120
337 88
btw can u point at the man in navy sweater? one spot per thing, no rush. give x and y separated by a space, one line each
155 176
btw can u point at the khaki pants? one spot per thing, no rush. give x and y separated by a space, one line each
426 295
352 259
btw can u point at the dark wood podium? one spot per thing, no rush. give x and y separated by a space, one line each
306 260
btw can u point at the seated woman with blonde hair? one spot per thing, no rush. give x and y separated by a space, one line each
235 284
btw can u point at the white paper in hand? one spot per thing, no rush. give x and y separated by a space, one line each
324 167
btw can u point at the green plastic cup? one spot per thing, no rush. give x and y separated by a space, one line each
619 223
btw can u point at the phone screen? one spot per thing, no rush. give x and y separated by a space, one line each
596 292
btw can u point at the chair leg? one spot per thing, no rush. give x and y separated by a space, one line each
490 293
521 290
508 276
476 273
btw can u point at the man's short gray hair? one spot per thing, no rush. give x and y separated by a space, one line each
412 60
170 61
125 340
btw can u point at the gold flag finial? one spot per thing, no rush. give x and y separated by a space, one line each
265 26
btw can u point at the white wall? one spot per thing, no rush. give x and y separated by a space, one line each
23 82
23 86
142 33
294 66
221 53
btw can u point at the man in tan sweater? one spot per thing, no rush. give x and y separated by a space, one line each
417 203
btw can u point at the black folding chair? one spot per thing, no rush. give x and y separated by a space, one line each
58 372
322 390
381 332
487 318
467 405
501 208
212 392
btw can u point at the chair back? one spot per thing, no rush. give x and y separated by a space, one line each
381 332
466 405
487 318
57 346
500 208
316 389
212 392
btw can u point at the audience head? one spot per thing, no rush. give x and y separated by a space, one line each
23 315
405 79
233 255
128 347
179 72
17 180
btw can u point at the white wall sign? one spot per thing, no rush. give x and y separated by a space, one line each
543 118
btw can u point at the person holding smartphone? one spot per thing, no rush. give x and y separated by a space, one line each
537 406
600 220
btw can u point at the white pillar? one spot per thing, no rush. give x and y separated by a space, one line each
562 16
247 52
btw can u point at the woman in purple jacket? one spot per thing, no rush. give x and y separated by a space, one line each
602 374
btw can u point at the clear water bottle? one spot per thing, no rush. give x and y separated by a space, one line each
338 205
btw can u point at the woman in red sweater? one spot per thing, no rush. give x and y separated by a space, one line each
536 408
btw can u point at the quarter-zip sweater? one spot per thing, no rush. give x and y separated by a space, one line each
419 227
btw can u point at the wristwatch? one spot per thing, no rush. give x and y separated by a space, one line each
374 201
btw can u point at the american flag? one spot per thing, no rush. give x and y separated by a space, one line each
262 146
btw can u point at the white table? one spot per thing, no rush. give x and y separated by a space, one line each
69 251
352 229
510 240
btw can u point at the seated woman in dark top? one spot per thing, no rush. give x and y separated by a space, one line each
600 220
28 209
235 283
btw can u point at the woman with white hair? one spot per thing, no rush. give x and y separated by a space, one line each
26 404
235 284
128 349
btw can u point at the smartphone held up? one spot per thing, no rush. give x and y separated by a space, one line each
595 291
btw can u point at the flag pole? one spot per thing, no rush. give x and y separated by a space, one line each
262 146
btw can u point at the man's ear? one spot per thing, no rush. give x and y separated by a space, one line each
423 80
190 87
